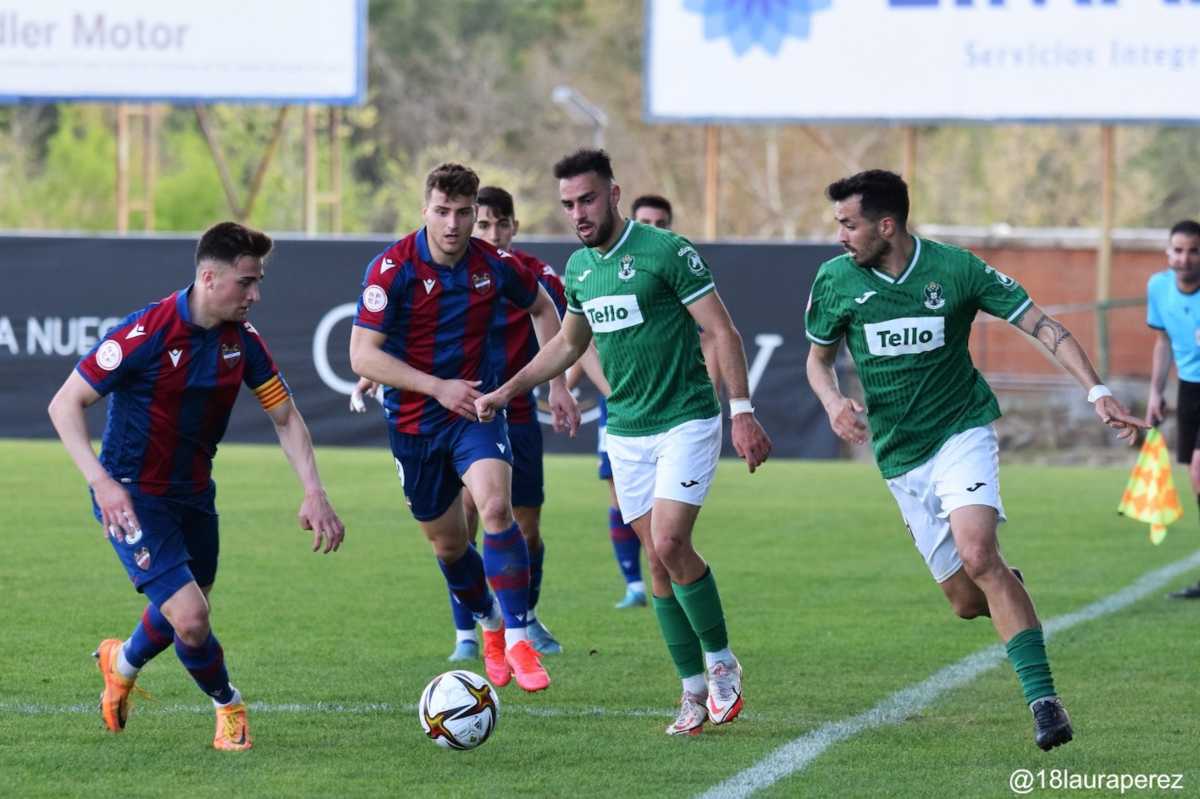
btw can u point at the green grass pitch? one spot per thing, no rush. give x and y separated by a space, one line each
829 607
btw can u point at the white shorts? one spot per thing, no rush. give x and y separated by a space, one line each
965 471
678 464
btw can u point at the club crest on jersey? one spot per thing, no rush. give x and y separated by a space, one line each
933 296
374 298
142 558
481 282
695 264
230 353
626 270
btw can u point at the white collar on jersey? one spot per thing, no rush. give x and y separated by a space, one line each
903 275
620 241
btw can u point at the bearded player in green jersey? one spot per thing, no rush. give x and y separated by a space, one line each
904 306
640 292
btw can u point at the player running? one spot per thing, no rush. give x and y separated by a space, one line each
173 370
641 292
904 306
428 328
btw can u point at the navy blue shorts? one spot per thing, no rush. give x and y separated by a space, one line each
431 467
176 532
528 490
605 465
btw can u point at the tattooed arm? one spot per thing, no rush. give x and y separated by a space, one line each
1059 342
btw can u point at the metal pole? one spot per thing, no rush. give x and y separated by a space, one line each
122 169
1104 255
310 169
712 177
909 168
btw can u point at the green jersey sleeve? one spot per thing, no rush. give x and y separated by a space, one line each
997 293
824 321
685 271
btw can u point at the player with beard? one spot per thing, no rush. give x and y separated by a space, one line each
904 306
640 292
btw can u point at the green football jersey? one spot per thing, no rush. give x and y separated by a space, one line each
635 298
908 337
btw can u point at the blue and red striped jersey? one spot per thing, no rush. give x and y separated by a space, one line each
444 321
520 342
171 387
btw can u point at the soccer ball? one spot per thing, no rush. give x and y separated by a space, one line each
459 709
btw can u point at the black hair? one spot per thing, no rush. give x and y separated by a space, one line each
1188 227
883 194
653 201
582 161
498 200
228 241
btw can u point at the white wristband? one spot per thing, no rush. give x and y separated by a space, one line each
1098 392
739 406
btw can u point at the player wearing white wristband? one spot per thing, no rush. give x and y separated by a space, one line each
639 292
904 306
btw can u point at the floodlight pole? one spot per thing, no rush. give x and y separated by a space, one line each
583 110
1108 138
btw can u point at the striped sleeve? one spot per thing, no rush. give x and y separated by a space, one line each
272 393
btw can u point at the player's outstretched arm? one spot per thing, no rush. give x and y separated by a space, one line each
749 439
546 326
1059 342
844 413
368 360
551 360
316 512
1160 367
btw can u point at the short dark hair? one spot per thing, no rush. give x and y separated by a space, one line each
582 161
496 198
228 241
1188 227
453 180
653 201
883 194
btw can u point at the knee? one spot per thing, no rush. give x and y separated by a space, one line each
191 625
980 561
669 548
449 550
495 512
969 607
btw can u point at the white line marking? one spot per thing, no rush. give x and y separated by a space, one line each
795 755
149 707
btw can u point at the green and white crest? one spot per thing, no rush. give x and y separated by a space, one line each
626 271
933 296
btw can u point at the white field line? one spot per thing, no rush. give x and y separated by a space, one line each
795 755
148 707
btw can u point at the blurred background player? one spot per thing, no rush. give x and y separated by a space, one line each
1173 310
641 292
653 210
904 306
173 370
424 329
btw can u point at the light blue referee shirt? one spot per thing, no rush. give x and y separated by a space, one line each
1178 314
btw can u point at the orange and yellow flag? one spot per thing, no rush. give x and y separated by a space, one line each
1150 494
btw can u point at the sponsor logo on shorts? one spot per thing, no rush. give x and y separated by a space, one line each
615 312
906 336
142 558
976 487
689 483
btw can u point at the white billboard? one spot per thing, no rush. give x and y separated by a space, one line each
268 51
922 60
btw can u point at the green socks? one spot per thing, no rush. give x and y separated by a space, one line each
682 642
702 604
1027 651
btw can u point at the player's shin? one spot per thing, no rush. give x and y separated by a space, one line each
681 639
152 635
626 547
506 562
466 580
206 664
1027 652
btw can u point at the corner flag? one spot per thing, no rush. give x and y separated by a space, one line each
1150 494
